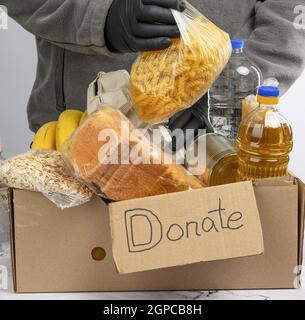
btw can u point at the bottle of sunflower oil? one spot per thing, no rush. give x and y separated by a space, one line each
264 139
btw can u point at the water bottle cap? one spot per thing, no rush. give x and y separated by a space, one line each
267 91
237 44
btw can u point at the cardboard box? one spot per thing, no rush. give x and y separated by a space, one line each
63 251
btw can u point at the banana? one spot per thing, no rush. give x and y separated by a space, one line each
68 121
45 138
83 118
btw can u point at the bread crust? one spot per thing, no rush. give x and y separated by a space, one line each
123 181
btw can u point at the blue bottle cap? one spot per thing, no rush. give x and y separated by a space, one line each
266 91
237 43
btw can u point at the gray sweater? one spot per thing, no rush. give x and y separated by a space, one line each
71 45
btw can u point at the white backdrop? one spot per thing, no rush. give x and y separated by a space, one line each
17 73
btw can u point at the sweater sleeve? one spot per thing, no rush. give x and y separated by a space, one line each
277 42
76 25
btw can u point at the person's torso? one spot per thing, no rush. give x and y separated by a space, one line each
63 76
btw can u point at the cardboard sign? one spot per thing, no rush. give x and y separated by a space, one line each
187 227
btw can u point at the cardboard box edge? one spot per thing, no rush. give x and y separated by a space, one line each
10 197
301 209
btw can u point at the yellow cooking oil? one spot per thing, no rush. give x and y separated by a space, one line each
219 164
224 172
264 140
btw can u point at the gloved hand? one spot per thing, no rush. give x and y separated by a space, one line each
194 118
141 25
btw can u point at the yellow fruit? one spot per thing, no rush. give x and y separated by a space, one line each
83 118
45 138
67 123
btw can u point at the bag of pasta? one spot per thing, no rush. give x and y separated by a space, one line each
167 81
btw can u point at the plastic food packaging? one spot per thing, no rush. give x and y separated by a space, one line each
248 105
102 152
250 102
45 172
166 81
113 88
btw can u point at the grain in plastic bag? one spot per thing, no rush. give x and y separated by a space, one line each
45 172
167 81
102 153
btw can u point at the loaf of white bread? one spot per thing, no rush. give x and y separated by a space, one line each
117 181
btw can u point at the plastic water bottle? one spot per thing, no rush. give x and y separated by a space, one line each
264 139
239 79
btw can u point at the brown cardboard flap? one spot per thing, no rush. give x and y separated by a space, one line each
276 182
301 217
184 228
301 209
6 194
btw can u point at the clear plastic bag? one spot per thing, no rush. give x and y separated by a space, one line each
250 102
101 151
248 105
45 172
113 88
167 81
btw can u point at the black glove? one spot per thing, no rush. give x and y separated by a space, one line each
194 118
141 25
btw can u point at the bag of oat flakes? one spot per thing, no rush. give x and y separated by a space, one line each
45 172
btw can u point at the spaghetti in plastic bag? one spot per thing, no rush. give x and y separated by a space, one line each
166 81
